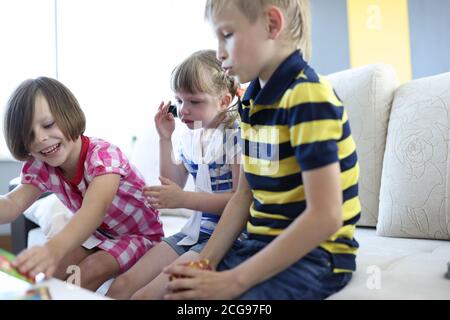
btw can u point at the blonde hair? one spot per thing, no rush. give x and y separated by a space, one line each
202 72
296 13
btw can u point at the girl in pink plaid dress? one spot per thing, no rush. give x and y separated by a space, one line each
44 126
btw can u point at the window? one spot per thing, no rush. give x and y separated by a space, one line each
27 33
115 55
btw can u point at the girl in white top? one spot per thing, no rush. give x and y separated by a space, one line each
209 150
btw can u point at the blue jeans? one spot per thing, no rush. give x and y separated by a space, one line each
310 278
180 250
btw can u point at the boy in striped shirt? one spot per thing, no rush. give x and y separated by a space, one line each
298 193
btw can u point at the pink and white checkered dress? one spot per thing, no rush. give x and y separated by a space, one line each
131 226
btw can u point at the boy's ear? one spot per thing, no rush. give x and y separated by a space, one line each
275 21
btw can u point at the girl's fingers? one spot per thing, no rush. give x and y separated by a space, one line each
30 264
161 105
159 108
160 113
180 284
153 200
50 272
21 258
154 204
42 266
166 107
152 189
152 194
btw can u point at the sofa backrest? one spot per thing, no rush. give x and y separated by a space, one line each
415 185
367 93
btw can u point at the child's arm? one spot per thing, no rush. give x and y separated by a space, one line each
17 201
321 219
167 167
85 221
211 202
165 125
231 223
170 195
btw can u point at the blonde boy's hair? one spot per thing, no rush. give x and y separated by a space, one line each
202 72
296 13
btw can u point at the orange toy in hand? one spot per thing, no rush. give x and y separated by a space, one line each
203 264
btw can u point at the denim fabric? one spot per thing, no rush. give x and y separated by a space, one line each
180 250
310 278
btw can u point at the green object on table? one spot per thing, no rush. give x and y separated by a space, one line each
5 266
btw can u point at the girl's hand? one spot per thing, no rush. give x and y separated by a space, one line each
36 260
164 121
168 195
193 283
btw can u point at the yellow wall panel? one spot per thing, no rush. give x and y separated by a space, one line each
379 32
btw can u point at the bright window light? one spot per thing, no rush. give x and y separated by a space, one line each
115 55
27 33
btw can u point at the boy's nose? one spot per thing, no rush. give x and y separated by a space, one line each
221 53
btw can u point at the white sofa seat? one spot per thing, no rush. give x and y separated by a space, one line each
398 268
387 268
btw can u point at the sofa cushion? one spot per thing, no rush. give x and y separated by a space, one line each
395 268
50 214
367 94
414 194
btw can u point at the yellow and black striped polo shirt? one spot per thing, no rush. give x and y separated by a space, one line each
297 123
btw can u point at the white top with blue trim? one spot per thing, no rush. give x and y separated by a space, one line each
211 170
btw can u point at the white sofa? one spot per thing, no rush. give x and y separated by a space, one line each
402 134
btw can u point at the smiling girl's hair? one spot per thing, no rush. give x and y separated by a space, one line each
18 120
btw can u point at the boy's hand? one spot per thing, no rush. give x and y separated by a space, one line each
36 260
203 264
195 283
164 121
168 195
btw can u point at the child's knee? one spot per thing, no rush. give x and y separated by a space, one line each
120 284
139 295
94 267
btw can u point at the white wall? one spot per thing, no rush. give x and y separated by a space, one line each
117 56
27 33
